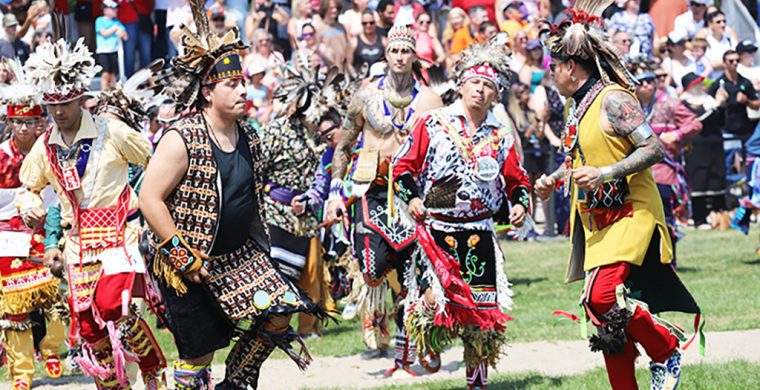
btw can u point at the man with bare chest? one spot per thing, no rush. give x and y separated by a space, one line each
378 121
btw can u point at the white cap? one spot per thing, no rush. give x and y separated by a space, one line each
677 35
255 68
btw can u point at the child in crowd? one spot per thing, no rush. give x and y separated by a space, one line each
702 63
109 31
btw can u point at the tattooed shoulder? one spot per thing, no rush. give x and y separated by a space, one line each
623 112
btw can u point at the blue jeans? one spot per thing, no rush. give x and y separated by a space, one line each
138 41
734 146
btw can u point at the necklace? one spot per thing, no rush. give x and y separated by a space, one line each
397 118
216 141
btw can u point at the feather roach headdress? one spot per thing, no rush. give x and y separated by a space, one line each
206 58
62 73
581 35
313 93
128 101
489 60
21 97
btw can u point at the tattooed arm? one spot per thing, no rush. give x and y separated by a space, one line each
625 118
352 127
622 117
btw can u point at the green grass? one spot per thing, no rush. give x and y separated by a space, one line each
727 376
720 269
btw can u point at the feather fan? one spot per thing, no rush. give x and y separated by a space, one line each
443 193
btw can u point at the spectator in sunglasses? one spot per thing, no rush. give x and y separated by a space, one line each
679 62
369 46
310 51
622 41
741 95
161 118
720 38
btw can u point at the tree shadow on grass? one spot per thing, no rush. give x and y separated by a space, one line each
64 380
521 383
527 281
686 269
751 262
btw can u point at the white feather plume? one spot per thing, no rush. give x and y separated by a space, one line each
21 91
58 68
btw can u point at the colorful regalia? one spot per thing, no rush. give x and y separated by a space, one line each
292 155
620 241
100 251
27 285
462 179
381 241
245 289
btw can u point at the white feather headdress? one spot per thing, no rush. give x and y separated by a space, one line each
493 53
21 91
61 72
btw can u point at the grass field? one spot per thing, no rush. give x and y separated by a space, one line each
720 269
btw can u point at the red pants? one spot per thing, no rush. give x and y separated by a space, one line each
656 340
107 301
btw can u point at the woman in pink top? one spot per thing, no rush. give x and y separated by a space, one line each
429 49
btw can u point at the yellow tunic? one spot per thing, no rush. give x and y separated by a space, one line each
627 239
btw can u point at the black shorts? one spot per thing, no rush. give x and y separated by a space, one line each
196 320
109 62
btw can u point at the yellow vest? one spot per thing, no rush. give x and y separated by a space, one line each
627 239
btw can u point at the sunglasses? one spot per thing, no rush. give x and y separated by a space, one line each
661 76
23 122
307 35
733 61
166 121
372 23
693 4
721 21
326 136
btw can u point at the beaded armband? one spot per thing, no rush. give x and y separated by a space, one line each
406 188
521 196
180 255
336 189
